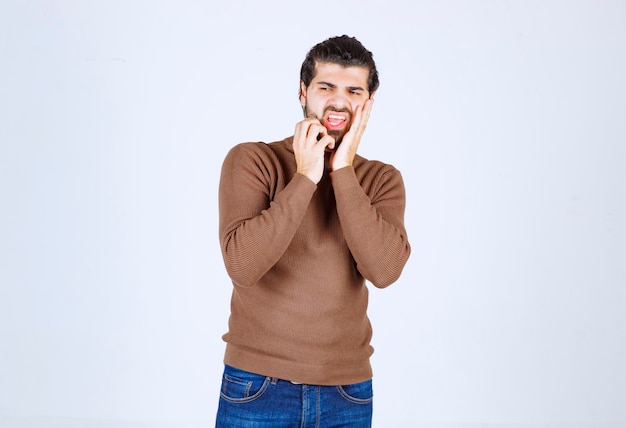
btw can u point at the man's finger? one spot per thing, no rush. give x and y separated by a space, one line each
327 141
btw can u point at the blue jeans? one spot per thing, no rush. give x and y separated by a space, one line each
248 400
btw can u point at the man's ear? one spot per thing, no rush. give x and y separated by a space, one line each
372 95
302 94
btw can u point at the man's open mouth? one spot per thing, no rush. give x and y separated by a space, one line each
335 121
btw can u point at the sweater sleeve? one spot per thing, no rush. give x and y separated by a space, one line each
257 221
373 224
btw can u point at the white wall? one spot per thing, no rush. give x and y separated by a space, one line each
507 119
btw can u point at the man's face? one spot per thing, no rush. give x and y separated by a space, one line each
333 95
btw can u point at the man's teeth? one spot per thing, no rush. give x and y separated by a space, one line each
335 117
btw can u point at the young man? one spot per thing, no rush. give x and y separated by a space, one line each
304 222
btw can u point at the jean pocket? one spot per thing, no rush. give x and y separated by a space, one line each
359 393
239 386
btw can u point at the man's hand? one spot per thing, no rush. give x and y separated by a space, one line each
309 142
344 155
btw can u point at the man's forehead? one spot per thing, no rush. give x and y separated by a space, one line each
354 73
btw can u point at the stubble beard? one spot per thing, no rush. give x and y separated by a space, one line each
337 134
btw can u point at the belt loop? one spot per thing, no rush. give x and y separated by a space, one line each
274 381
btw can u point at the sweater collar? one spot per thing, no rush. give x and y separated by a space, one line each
288 143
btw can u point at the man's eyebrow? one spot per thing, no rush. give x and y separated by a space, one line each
330 85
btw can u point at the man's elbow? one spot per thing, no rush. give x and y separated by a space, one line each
240 274
384 281
389 271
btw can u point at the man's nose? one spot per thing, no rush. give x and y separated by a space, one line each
339 101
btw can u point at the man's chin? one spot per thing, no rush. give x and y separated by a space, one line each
337 135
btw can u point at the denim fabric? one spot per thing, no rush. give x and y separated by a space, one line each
248 400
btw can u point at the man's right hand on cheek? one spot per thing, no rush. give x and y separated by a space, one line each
309 145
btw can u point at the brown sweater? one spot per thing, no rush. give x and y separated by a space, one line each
298 255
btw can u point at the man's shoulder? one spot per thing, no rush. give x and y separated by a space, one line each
260 147
371 165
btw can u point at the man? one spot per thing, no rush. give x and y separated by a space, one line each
303 223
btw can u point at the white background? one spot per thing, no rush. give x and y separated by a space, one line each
506 118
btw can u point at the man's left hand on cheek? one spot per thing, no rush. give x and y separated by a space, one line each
345 153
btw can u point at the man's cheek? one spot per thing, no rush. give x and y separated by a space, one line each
350 124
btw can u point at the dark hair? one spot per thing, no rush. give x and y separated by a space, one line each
343 50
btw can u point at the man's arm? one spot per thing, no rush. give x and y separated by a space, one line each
256 227
373 224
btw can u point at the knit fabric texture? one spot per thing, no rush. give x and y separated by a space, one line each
299 255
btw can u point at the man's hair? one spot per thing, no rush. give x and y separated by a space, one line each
343 50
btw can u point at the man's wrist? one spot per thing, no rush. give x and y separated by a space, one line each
338 167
